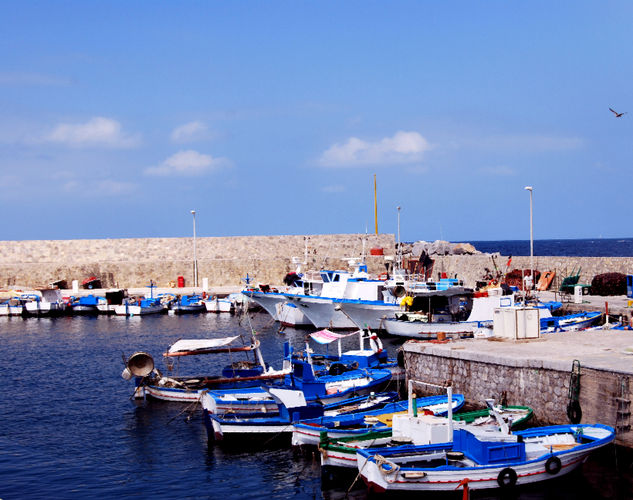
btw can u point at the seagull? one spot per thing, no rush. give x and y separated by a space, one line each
617 115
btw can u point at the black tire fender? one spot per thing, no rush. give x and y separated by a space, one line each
553 465
507 478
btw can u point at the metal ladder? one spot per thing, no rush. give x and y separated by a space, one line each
623 411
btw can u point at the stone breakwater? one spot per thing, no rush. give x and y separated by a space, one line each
132 262
225 261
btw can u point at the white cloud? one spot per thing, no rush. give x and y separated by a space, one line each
188 163
97 131
189 132
403 147
500 170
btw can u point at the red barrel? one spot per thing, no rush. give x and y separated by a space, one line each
181 281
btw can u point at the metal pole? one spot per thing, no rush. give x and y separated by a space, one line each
399 255
195 259
529 188
375 205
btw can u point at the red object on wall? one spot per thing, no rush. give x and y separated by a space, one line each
376 251
181 281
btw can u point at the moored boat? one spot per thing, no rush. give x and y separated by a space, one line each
520 458
150 382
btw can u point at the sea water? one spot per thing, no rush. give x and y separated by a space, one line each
70 429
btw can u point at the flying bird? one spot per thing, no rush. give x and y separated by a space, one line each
617 115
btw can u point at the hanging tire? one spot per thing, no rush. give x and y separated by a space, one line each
337 369
400 358
574 412
507 478
553 465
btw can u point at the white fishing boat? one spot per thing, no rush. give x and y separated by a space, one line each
427 322
219 305
482 462
47 302
308 432
150 382
292 407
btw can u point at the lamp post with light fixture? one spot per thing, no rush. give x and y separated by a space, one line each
530 189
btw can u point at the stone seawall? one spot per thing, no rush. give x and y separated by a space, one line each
226 260
535 373
223 260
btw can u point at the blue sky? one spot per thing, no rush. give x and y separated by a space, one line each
118 118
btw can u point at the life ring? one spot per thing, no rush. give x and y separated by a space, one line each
553 465
507 477
383 276
172 284
574 412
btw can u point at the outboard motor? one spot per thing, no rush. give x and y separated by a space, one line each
139 364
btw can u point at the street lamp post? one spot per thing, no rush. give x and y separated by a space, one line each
530 189
195 259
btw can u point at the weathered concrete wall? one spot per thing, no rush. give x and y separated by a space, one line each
225 261
545 389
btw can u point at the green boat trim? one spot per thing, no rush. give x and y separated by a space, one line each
470 416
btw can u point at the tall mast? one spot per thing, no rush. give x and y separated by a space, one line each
375 205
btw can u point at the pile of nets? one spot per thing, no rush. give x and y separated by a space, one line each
609 284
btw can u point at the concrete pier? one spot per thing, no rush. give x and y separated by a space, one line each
537 373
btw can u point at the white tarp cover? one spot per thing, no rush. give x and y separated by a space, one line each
290 398
195 344
326 336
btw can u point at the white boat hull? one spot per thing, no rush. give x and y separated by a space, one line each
136 310
369 315
421 330
219 305
290 315
8 310
322 313
268 301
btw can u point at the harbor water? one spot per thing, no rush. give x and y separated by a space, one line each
70 429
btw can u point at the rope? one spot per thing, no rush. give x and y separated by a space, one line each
382 461
191 408
359 472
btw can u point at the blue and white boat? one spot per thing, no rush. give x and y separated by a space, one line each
570 322
14 306
46 302
187 304
308 432
472 462
143 306
88 305
292 407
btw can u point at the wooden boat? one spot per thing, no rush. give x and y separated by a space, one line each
308 432
570 322
341 452
187 304
239 374
292 407
519 458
